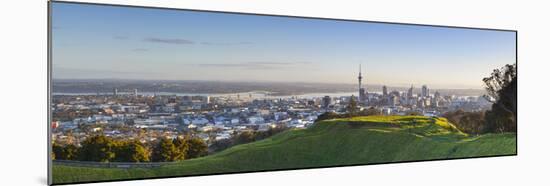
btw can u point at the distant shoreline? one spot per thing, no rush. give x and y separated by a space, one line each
252 94
152 87
354 84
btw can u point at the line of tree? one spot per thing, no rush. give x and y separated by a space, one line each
501 88
468 122
352 110
245 137
179 149
333 115
100 148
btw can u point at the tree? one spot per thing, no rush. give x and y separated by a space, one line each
57 151
220 145
352 106
370 112
181 148
270 132
70 152
472 122
468 122
501 89
132 151
164 151
97 148
327 116
414 113
244 137
197 148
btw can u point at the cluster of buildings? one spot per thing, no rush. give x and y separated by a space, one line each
424 102
130 115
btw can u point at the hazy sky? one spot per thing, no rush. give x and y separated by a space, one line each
91 41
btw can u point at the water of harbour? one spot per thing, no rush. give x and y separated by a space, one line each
243 95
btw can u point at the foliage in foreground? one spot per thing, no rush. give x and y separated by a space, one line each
344 141
245 137
468 122
100 148
501 89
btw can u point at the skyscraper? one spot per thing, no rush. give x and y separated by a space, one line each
360 78
393 100
410 92
115 91
425 91
326 101
384 90
362 91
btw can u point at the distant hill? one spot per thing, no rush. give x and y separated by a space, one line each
349 141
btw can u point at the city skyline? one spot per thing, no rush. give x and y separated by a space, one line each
152 44
142 93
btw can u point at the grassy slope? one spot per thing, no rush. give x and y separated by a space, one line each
360 140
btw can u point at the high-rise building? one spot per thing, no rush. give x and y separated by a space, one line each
360 78
425 91
394 100
362 95
436 99
362 91
135 92
384 90
410 92
395 93
326 102
115 91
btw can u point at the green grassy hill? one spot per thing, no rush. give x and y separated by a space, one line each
350 141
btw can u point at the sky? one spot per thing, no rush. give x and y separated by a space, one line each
105 42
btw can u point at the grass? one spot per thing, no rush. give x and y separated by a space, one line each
348 141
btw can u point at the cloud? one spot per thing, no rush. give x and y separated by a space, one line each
179 41
140 50
60 72
226 43
255 65
120 37
169 41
